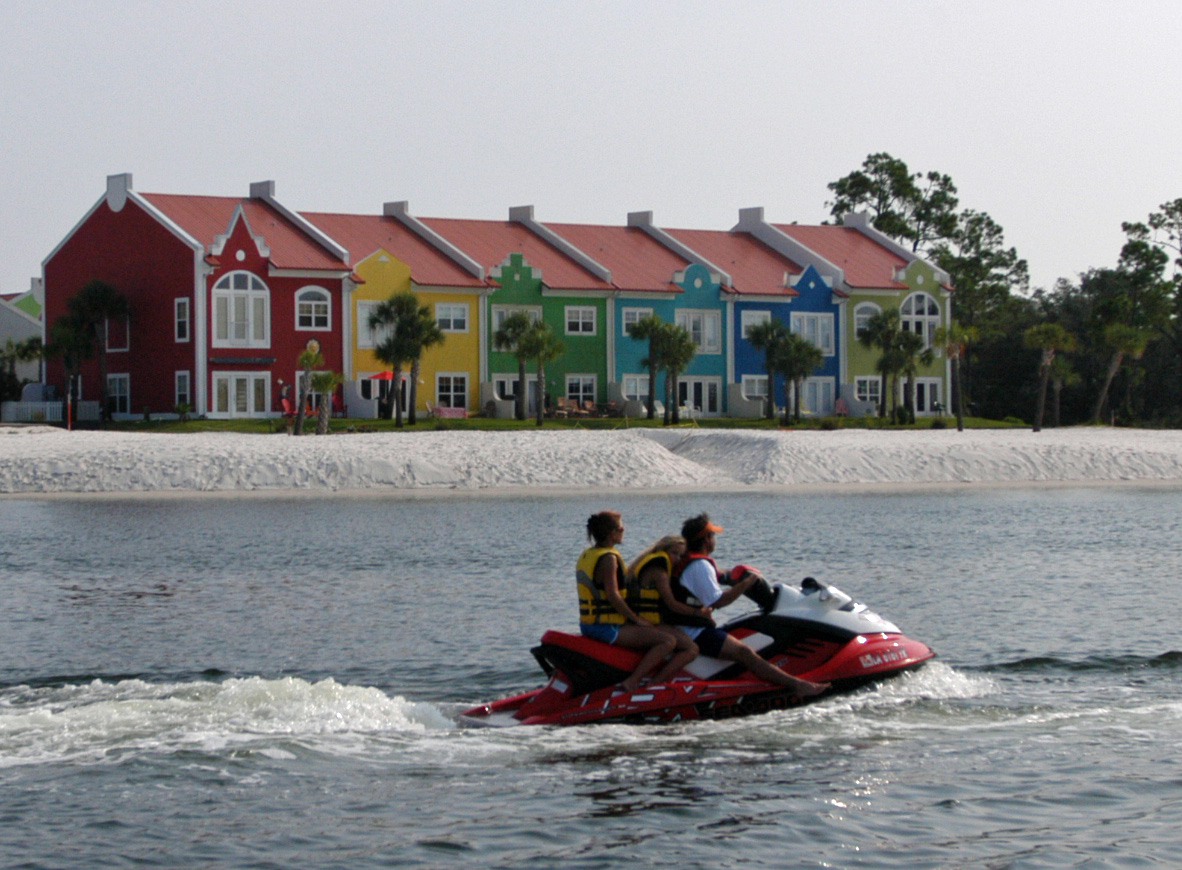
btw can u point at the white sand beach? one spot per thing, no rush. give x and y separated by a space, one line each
44 460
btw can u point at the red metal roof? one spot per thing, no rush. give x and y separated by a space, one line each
207 217
866 263
363 235
755 269
491 242
638 262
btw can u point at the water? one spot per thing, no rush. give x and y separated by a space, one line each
272 683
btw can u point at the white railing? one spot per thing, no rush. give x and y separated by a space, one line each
45 412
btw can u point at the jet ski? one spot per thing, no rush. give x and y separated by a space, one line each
815 632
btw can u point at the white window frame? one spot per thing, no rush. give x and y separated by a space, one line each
868 388
582 382
319 316
126 336
748 319
755 387
584 318
927 386
183 394
181 320
500 312
704 326
924 322
631 315
711 389
448 313
453 377
256 405
119 393
862 314
366 337
255 301
635 387
504 384
816 328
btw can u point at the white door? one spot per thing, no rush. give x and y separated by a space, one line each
241 394
700 395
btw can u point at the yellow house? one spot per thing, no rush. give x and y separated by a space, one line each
389 256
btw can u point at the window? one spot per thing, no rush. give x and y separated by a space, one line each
636 387
816 397
630 316
580 388
180 309
451 316
117 334
183 391
700 395
240 394
862 315
920 313
118 394
506 387
816 329
580 320
868 390
451 390
748 319
241 311
500 312
755 387
704 327
367 337
313 309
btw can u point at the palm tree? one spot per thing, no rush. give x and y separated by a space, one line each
73 341
426 334
955 340
12 353
1049 338
542 345
95 304
508 338
677 350
796 358
397 316
649 328
882 331
325 383
309 360
1125 341
1062 375
769 337
911 355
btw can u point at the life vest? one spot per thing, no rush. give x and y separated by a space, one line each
646 600
593 604
684 596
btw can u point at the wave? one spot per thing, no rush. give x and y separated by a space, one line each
105 721
1110 663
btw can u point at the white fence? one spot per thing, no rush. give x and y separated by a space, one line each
45 412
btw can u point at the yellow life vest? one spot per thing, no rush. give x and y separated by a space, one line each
644 599
593 604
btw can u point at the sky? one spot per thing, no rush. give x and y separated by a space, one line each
1059 119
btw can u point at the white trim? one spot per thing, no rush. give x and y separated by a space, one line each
177 319
126 336
747 319
467 387
125 380
451 319
579 311
176 392
582 378
327 302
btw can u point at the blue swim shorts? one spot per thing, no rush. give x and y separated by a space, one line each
710 641
601 631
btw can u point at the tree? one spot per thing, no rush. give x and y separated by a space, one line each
650 328
72 341
1062 375
1048 338
397 317
508 338
677 352
425 334
325 383
12 353
882 332
911 354
541 345
954 339
93 306
915 209
795 358
769 337
1124 340
309 360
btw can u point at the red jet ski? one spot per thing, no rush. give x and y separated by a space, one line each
816 632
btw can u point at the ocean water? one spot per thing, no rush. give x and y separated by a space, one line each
272 683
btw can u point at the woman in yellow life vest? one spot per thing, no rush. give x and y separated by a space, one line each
650 578
605 616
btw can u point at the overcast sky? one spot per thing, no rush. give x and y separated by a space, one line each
1059 119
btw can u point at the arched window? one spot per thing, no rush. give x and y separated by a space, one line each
862 315
920 313
241 311
313 308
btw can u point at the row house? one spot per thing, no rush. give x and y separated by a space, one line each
226 292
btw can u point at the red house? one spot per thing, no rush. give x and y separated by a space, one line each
224 294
